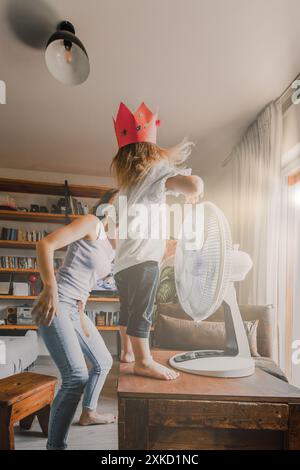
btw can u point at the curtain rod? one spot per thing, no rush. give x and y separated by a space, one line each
288 91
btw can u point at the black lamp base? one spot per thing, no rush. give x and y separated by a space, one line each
66 26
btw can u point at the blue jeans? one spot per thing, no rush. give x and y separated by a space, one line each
68 344
137 287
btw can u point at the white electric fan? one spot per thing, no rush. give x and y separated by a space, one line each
205 269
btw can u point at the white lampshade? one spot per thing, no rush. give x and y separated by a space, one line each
66 57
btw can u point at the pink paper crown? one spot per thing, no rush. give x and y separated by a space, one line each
138 127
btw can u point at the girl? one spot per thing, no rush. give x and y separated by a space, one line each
145 173
69 334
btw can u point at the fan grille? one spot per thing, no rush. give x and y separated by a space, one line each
202 276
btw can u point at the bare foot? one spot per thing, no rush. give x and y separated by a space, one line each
97 418
155 370
127 356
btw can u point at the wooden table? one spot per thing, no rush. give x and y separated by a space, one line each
197 412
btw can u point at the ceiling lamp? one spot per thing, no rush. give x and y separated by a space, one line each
66 57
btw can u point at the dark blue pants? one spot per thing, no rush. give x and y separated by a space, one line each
137 287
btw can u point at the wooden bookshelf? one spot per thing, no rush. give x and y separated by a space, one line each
34 297
51 189
37 217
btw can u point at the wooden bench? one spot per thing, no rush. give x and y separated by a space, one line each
22 397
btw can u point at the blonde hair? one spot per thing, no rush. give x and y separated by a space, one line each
132 161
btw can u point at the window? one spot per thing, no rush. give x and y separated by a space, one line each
293 275
289 269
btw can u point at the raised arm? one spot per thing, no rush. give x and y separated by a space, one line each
85 227
191 186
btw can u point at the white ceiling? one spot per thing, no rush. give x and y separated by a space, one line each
209 66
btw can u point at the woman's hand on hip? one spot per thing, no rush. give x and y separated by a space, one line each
46 307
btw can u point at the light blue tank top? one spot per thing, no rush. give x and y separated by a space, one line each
85 263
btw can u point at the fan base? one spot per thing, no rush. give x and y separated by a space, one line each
222 366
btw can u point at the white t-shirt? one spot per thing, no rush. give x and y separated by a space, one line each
142 224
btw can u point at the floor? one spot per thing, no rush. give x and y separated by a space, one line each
90 437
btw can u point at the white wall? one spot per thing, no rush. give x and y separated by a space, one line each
218 188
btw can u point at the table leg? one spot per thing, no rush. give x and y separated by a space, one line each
133 424
26 423
43 417
293 433
7 438
118 344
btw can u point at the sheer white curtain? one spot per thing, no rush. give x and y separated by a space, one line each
256 164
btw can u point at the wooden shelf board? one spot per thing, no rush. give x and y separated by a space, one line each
34 327
17 297
18 327
33 297
107 328
52 189
24 245
103 299
19 271
13 244
37 217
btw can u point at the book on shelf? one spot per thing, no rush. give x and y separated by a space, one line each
21 262
17 262
106 318
14 234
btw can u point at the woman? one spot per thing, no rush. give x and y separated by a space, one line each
67 332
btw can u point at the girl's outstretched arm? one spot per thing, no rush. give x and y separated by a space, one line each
191 186
86 227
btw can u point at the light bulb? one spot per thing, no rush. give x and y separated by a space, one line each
68 56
